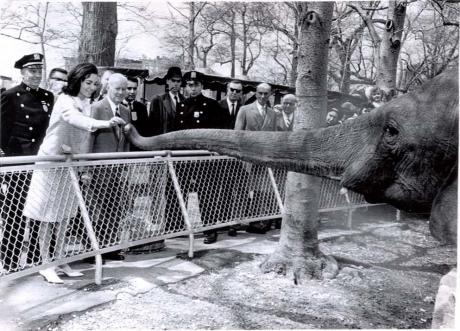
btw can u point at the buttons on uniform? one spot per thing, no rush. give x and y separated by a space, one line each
182 113
30 128
22 105
46 95
33 140
204 103
27 116
18 94
182 121
198 121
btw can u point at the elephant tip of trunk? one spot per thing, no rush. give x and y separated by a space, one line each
129 129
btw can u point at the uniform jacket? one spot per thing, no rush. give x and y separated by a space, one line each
199 112
162 114
111 139
25 114
249 119
281 124
139 117
229 120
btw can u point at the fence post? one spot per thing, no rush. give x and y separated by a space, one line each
86 221
275 189
183 207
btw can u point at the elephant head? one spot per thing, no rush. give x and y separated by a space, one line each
404 153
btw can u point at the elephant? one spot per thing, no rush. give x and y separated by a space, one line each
403 153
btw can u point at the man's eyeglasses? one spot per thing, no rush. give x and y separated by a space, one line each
59 79
234 90
176 80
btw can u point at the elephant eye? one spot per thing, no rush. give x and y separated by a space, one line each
391 131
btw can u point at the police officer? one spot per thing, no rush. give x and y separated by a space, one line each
200 112
25 113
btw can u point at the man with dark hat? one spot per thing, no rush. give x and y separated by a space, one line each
25 113
200 112
163 107
161 120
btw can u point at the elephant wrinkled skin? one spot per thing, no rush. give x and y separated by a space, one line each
404 153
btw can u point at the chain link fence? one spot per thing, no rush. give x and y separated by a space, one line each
58 212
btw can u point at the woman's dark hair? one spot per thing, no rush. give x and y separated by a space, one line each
78 75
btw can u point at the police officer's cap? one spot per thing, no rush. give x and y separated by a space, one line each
173 72
35 59
195 76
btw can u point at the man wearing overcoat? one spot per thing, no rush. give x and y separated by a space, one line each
163 107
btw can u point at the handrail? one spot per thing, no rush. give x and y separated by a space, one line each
13 160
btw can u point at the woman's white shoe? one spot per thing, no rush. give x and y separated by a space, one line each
68 271
51 276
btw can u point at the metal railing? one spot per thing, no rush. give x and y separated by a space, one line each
59 209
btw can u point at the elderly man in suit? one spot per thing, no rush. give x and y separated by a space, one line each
258 116
285 122
285 118
109 210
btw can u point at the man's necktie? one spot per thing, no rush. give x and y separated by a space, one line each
117 128
176 101
232 111
288 122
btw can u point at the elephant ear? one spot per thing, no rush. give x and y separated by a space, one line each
443 219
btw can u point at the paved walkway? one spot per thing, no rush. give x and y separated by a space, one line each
30 302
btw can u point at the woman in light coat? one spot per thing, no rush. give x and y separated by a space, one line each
51 198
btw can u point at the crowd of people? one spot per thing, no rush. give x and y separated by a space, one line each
348 111
86 111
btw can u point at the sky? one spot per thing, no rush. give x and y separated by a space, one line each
137 47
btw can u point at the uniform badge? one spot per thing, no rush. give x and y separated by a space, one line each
45 107
196 114
36 56
134 115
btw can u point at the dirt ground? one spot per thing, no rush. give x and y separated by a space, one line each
389 277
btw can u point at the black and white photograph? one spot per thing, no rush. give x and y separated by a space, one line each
228 165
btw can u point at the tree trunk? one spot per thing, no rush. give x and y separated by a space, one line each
245 42
390 47
298 247
295 54
233 45
191 37
98 34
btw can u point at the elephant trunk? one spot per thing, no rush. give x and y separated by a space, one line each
321 152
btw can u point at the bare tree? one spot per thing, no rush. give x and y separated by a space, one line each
437 38
31 23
